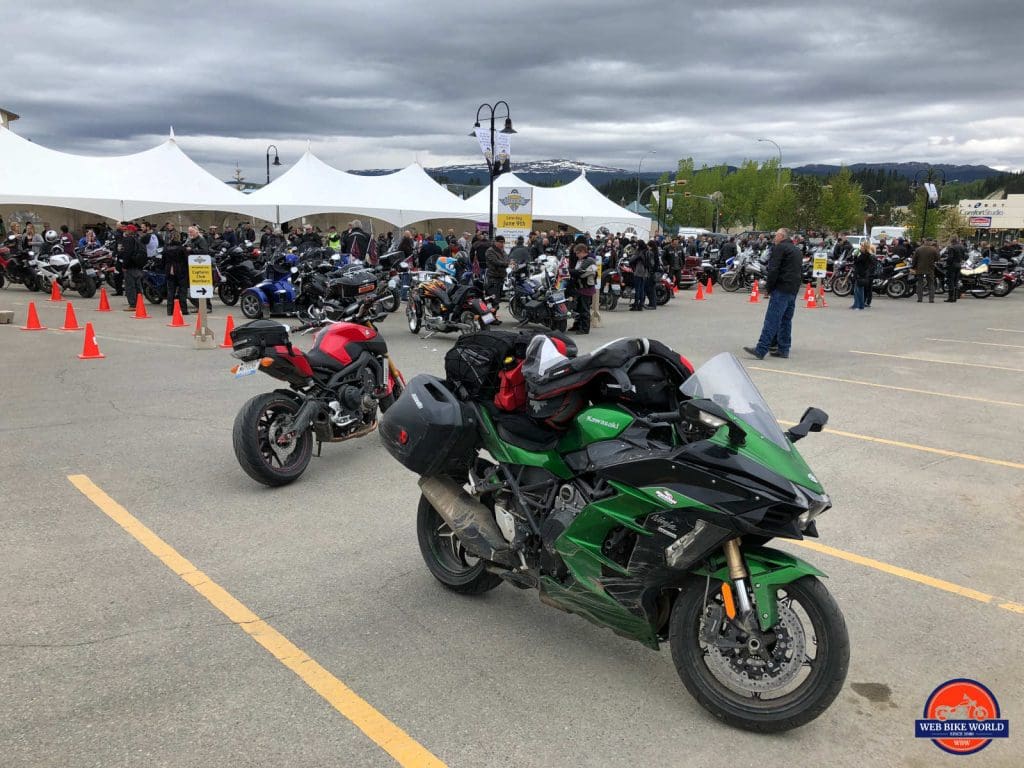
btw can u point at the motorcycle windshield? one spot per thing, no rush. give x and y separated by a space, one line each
723 380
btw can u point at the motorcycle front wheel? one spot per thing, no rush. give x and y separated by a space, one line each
662 294
414 317
391 299
786 682
262 451
1002 288
515 307
729 282
896 289
87 289
446 558
842 286
612 303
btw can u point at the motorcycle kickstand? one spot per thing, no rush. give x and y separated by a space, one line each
319 447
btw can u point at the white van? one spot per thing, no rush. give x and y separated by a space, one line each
693 232
891 233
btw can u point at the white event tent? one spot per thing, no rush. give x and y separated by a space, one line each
124 187
402 198
578 204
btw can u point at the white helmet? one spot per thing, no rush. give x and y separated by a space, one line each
51 236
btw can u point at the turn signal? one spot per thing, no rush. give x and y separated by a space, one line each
266 362
234 369
403 437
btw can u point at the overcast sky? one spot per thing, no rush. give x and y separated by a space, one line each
385 83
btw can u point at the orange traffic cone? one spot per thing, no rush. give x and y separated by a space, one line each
70 321
821 297
700 292
199 326
755 293
177 321
709 290
104 301
33 323
55 292
140 308
228 328
90 350
811 302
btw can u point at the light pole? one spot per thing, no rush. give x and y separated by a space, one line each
715 198
638 166
779 172
495 167
659 185
277 160
935 176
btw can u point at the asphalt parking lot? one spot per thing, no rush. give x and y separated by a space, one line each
162 609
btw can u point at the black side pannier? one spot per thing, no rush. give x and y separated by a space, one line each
355 283
428 430
261 334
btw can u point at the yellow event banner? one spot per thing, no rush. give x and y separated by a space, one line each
514 209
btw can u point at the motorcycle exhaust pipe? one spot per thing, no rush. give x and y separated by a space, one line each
470 520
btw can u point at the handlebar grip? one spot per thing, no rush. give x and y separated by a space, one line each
670 417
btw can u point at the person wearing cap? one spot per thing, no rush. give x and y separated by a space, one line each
520 254
496 261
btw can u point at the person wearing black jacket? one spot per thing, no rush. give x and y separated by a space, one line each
356 241
955 257
497 261
131 255
782 284
176 272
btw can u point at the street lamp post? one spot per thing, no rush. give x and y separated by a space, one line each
495 167
930 175
779 172
638 166
657 185
715 198
277 160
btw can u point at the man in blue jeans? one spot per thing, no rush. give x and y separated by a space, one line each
782 284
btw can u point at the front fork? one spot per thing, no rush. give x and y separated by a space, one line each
737 586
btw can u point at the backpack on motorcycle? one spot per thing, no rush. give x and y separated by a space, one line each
473 367
260 334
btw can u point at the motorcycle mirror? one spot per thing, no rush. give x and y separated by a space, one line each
813 420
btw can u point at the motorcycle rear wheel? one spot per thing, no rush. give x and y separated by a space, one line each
228 293
3 279
391 300
254 432
87 289
153 296
980 293
515 307
446 558
252 307
896 289
822 630
662 294
1003 288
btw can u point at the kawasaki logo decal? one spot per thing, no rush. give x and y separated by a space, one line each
603 423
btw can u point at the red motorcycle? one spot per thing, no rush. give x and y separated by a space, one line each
335 390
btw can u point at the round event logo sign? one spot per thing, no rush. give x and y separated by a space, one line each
961 717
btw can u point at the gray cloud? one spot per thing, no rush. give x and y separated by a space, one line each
382 84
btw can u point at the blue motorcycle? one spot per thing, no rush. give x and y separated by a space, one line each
154 281
276 294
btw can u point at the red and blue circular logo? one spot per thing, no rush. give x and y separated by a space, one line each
961 717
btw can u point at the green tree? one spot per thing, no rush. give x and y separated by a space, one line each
841 205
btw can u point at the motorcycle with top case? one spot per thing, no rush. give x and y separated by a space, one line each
651 523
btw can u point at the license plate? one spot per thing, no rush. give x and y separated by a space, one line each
616 288
366 288
248 368
488 318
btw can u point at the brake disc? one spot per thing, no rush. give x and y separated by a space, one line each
750 671
282 449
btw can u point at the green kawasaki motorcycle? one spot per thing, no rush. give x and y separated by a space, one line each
640 495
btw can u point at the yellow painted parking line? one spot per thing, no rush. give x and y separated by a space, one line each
885 386
940 362
403 748
1004 330
979 343
916 447
904 573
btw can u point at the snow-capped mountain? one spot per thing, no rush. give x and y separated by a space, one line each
536 171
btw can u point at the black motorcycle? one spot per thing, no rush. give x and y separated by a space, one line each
536 300
238 272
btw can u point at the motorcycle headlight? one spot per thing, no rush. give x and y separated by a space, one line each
816 504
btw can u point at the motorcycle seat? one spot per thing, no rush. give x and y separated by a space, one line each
523 432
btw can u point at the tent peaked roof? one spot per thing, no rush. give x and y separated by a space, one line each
578 204
120 187
401 198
